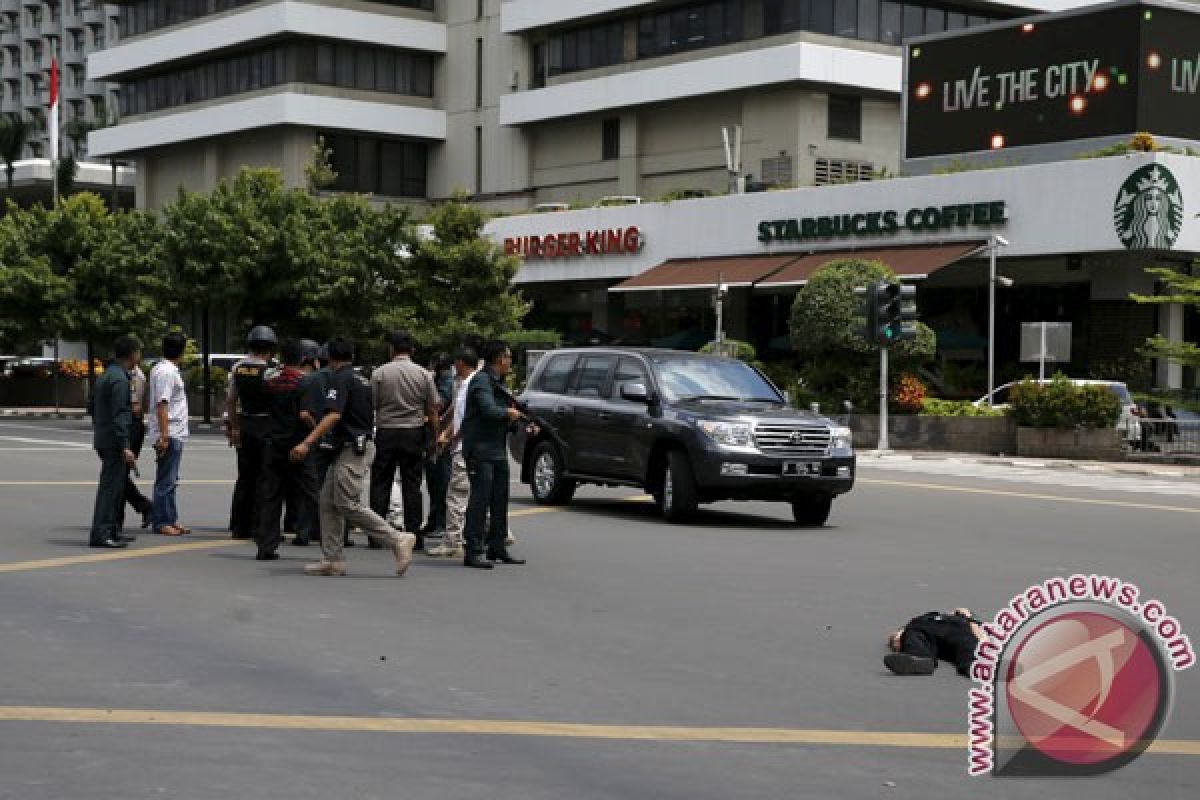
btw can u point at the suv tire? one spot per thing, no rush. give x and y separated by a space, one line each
550 487
812 510
679 494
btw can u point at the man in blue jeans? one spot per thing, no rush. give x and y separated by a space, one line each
168 429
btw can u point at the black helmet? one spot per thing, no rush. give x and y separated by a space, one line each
261 336
310 350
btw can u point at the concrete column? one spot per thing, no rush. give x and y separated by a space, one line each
212 164
141 184
1170 324
629 170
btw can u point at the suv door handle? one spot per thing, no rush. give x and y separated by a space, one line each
562 409
604 416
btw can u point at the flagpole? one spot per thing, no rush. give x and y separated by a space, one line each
54 129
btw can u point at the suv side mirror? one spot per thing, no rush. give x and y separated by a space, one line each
635 393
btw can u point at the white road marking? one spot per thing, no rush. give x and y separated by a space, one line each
62 444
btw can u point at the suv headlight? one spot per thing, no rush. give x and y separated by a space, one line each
841 439
728 434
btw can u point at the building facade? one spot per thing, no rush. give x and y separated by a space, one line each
516 102
32 34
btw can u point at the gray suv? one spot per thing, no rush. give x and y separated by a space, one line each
688 428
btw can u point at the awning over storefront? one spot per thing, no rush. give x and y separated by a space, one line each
906 262
704 273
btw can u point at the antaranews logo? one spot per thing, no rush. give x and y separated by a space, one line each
1148 213
1075 678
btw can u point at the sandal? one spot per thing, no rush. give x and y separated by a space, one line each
170 530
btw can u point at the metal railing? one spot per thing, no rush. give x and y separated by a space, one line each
1169 437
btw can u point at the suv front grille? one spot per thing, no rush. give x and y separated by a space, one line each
791 439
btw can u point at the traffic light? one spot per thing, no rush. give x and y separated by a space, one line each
901 317
891 312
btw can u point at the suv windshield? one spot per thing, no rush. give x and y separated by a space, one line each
1121 392
697 377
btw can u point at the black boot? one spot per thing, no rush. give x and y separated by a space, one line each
476 561
503 557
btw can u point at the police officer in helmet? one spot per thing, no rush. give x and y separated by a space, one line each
247 410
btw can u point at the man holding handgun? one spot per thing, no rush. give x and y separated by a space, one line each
487 420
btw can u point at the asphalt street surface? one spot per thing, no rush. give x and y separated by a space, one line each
626 660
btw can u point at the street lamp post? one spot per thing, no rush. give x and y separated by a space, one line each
995 242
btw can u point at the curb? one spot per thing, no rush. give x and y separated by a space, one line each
1091 467
14 414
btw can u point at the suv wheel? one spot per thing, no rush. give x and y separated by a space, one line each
547 482
679 495
812 510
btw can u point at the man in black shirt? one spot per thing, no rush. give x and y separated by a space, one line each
286 400
350 419
917 647
246 416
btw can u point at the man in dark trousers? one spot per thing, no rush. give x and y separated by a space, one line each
113 419
137 437
917 647
246 416
349 420
405 409
487 420
280 476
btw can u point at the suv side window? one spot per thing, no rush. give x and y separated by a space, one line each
629 370
556 375
591 376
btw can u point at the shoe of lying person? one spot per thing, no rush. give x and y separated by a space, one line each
906 664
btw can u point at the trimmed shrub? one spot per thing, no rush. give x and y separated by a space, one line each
1061 404
935 407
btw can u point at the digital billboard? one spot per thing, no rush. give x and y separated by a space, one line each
1114 71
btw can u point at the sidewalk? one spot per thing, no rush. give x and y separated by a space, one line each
1147 468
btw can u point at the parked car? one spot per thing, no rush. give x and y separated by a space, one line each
687 428
1128 422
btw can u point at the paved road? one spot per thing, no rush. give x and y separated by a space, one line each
629 659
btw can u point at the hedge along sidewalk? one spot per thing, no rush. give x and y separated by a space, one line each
1188 470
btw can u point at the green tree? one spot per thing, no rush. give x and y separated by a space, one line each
32 292
827 327
1178 287
66 170
14 133
118 285
463 281
225 249
352 274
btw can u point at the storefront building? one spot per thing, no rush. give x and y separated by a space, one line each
1080 235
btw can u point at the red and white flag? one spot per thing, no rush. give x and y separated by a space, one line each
54 110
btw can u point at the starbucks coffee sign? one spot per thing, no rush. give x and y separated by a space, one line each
1148 212
866 224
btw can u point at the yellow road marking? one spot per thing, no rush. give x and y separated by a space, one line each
1027 496
485 727
529 512
115 555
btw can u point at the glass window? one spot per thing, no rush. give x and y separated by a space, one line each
868 20
385 71
955 20
557 373
591 378
629 370
845 117
368 165
391 163
689 377
975 20
821 16
325 73
415 160
422 76
343 64
935 20
914 20
538 79
364 77
610 147
890 22
845 18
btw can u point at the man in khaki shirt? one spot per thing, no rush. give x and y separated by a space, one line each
406 422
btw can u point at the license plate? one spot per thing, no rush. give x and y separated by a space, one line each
802 468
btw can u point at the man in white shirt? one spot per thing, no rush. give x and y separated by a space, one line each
459 489
167 429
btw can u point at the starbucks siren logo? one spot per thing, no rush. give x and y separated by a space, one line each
1149 210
